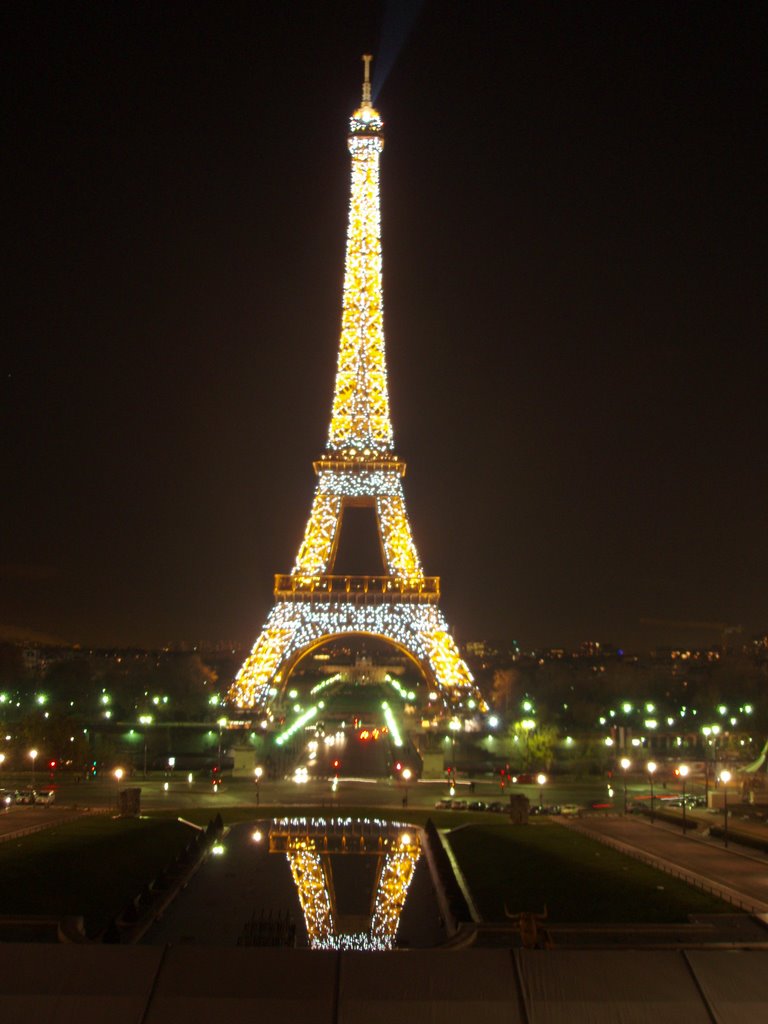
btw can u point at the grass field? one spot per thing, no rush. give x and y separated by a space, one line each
92 867
95 866
526 867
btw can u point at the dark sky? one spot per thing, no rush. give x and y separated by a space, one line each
574 225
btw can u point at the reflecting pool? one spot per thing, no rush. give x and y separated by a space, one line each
320 882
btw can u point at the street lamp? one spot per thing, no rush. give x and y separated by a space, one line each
625 764
221 723
725 778
406 778
257 773
33 755
707 732
683 770
651 766
145 720
541 778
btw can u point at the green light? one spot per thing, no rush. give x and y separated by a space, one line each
300 721
389 718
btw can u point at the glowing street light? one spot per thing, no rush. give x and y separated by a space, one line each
118 773
407 773
725 778
541 778
625 764
683 770
33 755
258 771
145 720
651 768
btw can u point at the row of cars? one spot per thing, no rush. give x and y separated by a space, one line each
26 796
564 810
447 804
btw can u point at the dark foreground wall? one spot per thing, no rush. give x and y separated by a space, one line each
186 984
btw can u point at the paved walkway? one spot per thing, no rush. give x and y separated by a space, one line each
23 821
740 876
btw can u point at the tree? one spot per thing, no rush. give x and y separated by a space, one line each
542 745
506 683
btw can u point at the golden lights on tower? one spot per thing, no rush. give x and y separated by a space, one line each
360 467
311 845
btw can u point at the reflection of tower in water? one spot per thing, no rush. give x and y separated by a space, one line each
357 909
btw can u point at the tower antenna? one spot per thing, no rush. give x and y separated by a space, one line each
367 58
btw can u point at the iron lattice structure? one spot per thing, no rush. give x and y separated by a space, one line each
310 847
358 467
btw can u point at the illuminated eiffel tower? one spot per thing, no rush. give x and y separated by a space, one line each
359 467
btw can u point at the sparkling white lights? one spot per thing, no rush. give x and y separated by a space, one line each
309 846
358 467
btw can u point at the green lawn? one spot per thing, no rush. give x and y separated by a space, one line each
528 867
92 867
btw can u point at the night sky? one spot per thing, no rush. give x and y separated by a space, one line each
574 230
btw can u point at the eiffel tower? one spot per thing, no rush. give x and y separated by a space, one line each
359 467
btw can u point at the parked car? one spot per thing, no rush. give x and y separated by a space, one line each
476 805
458 805
25 796
545 809
45 796
571 810
496 806
6 798
444 803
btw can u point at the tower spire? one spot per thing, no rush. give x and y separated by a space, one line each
360 420
367 58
